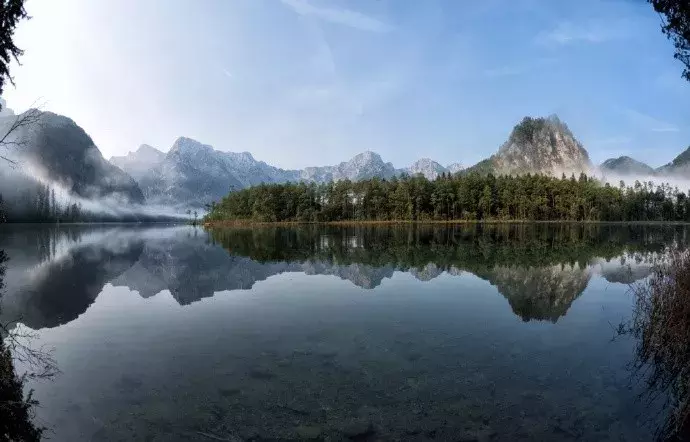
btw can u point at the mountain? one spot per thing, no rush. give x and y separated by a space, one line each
538 145
139 163
455 168
191 173
427 167
431 169
194 174
57 150
361 167
680 166
626 166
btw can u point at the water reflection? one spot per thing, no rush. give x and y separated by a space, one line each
16 410
57 273
407 332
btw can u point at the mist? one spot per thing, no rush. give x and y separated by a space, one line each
613 179
28 193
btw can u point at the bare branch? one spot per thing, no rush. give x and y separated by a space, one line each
24 120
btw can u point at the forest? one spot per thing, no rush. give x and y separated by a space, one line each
460 197
39 205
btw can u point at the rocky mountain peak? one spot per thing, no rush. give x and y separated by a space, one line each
184 145
455 168
427 167
147 149
541 145
366 157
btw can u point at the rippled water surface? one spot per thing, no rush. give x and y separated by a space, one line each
373 333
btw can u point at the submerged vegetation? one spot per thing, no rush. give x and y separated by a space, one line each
661 324
16 408
460 197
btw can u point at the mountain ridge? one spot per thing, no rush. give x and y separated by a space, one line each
537 145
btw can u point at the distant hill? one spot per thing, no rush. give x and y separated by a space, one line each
626 166
679 167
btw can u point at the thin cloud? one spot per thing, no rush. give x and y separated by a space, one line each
518 69
339 16
226 73
592 32
650 123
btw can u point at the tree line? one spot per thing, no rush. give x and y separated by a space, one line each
460 197
39 205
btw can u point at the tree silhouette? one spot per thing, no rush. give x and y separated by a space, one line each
676 25
11 12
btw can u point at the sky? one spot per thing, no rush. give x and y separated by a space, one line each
313 82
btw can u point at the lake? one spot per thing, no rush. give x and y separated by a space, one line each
494 332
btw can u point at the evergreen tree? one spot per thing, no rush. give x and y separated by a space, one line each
467 197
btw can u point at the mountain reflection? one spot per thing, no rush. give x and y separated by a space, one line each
56 273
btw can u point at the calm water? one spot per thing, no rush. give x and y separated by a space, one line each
414 333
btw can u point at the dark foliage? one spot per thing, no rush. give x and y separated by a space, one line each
16 410
471 247
661 324
463 197
11 12
676 26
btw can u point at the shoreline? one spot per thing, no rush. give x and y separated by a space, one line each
250 223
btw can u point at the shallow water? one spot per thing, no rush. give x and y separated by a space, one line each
373 333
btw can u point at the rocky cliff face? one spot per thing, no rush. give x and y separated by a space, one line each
427 167
538 145
140 162
542 145
191 174
362 166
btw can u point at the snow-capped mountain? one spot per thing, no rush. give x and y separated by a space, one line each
431 169
139 162
455 168
194 174
362 166
427 167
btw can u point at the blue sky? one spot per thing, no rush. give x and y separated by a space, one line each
311 82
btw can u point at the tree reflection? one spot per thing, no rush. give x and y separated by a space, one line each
540 269
17 409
